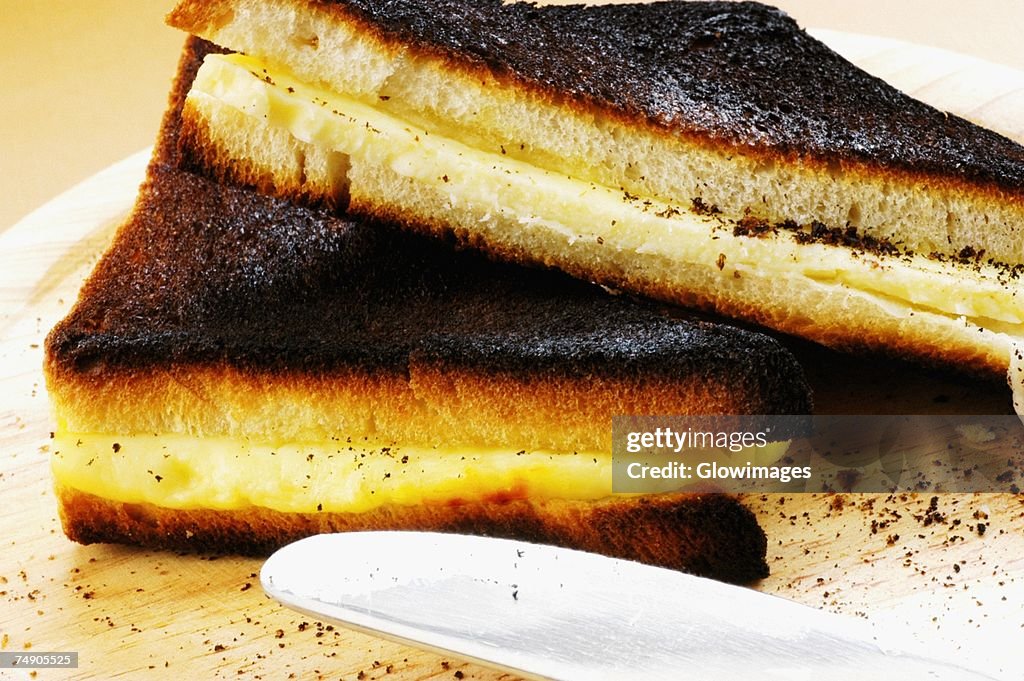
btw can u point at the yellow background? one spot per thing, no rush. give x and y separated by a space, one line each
84 82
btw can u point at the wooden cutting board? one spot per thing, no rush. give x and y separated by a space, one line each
951 572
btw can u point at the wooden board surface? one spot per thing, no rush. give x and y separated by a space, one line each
952 575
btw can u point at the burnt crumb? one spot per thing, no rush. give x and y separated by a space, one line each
701 208
968 255
975 258
932 515
981 529
458 674
847 237
116 447
753 226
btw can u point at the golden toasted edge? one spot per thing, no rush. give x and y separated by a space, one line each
437 403
710 535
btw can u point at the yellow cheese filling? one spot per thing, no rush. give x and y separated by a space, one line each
979 293
182 472
338 475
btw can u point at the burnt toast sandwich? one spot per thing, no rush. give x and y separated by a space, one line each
707 153
241 371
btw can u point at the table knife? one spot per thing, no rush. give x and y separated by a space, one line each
552 613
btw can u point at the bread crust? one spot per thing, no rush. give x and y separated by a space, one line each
709 535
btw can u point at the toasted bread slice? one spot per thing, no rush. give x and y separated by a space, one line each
240 371
710 154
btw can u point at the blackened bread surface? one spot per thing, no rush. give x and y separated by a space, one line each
292 321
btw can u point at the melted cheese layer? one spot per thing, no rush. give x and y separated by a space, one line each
221 473
179 471
980 293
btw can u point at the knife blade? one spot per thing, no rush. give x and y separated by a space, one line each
552 613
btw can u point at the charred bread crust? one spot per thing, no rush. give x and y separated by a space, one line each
737 76
710 535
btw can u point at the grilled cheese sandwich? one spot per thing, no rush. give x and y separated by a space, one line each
709 154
